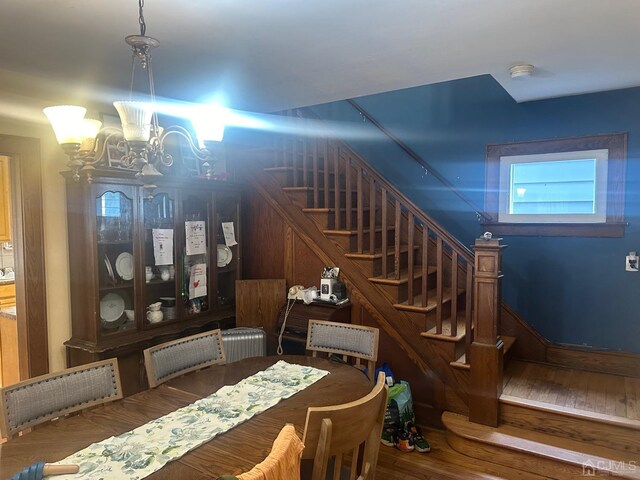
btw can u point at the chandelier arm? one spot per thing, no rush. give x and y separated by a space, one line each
200 153
93 157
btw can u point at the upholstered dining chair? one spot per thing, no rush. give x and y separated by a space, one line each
173 359
338 431
40 399
356 341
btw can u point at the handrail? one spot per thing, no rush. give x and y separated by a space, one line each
417 212
413 208
409 151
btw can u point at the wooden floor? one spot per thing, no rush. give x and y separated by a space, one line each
442 463
604 394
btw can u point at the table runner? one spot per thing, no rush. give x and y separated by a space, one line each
144 450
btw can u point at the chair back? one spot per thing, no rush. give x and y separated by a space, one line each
283 462
356 341
172 359
339 430
40 399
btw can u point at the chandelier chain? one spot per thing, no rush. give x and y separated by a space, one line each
143 25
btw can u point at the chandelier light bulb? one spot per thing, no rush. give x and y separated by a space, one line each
67 122
136 120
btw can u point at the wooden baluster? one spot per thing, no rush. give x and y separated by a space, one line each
454 293
487 349
347 194
372 214
410 233
360 207
316 187
384 207
327 166
294 160
468 317
396 256
336 187
425 268
305 160
439 265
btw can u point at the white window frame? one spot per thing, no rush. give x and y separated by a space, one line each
614 224
601 157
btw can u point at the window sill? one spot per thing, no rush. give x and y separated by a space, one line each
557 229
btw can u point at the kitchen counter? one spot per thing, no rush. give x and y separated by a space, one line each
8 312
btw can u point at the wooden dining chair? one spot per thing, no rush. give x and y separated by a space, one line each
356 341
172 359
337 431
41 399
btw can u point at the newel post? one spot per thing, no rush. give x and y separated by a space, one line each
486 351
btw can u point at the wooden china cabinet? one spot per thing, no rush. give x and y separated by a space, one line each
148 241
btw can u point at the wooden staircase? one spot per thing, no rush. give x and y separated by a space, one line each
440 302
414 278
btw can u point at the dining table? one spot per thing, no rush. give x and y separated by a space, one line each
231 452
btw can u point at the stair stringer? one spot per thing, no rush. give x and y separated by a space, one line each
422 352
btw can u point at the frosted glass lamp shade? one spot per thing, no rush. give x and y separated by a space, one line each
208 123
136 120
90 129
67 122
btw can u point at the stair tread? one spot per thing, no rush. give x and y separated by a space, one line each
572 412
404 276
536 443
446 330
329 210
508 342
349 233
297 189
431 301
378 253
461 363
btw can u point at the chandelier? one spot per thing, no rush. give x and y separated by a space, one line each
142 139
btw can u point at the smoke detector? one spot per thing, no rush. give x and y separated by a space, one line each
523 70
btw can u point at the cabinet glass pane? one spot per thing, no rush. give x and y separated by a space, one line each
114 224
227 238
159 259
195 283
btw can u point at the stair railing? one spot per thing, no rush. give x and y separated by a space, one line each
408 243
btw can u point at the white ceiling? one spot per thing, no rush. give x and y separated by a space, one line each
268 55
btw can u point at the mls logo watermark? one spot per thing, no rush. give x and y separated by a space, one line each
606 468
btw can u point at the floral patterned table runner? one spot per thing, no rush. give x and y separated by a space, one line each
140 452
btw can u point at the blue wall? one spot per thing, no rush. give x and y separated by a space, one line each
570 289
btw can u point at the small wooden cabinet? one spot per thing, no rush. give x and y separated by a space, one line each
5 200
294 337
136 242
7 295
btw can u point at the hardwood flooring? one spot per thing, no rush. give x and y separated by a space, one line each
612 395
442 463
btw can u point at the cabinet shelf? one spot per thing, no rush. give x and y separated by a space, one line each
121 286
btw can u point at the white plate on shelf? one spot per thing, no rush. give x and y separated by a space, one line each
124 265
107 263
224 255
111 307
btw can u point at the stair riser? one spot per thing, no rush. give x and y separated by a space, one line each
400 293
341 221
426 321
373 268
586 430
520 460
350 243
304 199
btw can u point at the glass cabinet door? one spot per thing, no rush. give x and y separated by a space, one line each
227 207
114 224
195 274
160 304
